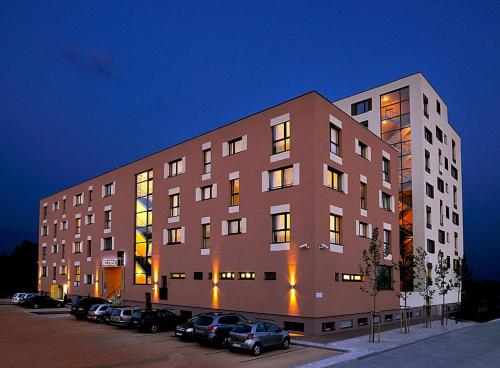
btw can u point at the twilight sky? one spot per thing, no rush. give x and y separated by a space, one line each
86 87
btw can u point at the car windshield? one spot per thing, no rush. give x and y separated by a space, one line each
204 321
117 312
242 328
94 307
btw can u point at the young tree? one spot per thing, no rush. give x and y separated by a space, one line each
423 281
443 285
372 258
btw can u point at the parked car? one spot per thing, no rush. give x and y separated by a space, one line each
109 312
157 320
121 316
254 337
41 301
96 312
214 327
80 307
185 331
17 297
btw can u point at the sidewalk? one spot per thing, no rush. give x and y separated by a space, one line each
358 347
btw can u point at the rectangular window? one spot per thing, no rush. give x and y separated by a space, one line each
363 195
44 271
363 321
63 270
281 137
281 178
454 172
206 192
440 161
439 134
361 107
427 161
364 123
440 185
90 219
384 278
227 275
108 190
107 219
54 249
441 236
428 135
453 150
426 106
45 231
385 169
178 275
363 229
44 252
281 227
78 199
428 217
246 275
386 202
198 276
176 167
77 275
90 198
88 279
77 247
207 161
55 206
64 205
89 248
363 149
335 230
269 275
175 205
334 179
235 145
335 140
387 242
234 186
44 212
293 326
327 326
429 190
174 236
54 272
205 228
234 227
63 251
455 218
78 225
438 107
455 196
431 246
352 277
107 243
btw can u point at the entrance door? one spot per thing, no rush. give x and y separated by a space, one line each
112 282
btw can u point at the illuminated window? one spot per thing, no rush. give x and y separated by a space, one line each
235 145
281 178
227 275
207 161
107 219
234 227
77 247
176 167
78 225
175 206
175 236
143 227
77 275
246 275
207 192
361 107
352 277
385 169
335 140
177 275
281 137
206 236
335 230
234 186
334 179
281 227
363 195
387 242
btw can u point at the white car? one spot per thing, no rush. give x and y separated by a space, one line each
18 298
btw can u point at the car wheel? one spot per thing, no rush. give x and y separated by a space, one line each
256 349
286 343
154 329
36 306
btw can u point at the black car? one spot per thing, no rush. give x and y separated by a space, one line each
214 327
157 320
41 301
80 307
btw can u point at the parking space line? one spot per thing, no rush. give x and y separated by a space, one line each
271 355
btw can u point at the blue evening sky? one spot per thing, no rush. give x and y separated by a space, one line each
85 87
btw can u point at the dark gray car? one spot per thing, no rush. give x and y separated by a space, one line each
215 327
254 337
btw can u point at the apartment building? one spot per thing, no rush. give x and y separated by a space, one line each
410 115
267 216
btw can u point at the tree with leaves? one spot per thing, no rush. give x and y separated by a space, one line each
443 284
372 258
423 282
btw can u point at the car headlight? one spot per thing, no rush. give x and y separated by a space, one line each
189 330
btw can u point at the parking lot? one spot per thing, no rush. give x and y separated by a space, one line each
59 340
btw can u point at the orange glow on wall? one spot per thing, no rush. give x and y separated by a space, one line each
156 268
293 306
215 279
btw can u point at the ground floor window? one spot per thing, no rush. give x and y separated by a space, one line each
293 326
327 326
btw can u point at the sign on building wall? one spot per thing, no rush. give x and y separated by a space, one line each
110 262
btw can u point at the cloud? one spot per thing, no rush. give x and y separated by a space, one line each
98 62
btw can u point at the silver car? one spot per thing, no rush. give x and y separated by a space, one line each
122 316
254 337
96 312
